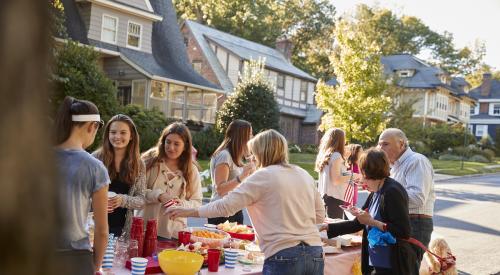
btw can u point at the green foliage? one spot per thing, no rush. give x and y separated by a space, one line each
357 104
486 142
407 34
206 141
443 136
476 78
450 157
56 10
149 123
252 100
479 158
308 23
76 73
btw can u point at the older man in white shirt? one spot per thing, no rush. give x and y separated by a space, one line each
414 171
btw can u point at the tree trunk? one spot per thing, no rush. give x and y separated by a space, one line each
29 192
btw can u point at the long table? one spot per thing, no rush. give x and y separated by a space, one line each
335 264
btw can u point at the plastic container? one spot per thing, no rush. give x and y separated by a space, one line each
211 242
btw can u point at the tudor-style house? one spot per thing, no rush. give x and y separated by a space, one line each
142 51
439 97
485 117
220 57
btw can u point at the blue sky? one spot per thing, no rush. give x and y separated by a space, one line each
467 20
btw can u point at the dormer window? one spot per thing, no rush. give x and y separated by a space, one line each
109 28
134 35
444 79
405 73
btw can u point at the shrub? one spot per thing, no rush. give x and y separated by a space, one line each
421 148
450 157
497 140
149 123
253 100
489 154
310 148
294 148
479 158
206 141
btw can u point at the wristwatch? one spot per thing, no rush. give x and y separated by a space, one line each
238 179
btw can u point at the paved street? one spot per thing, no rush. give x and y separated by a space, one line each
467 215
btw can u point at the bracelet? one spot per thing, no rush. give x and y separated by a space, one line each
238 179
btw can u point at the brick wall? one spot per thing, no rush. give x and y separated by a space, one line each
195 54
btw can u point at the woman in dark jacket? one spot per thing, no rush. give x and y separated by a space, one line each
385 209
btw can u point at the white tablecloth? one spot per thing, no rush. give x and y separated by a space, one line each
335 264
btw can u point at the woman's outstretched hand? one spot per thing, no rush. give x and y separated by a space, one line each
174 212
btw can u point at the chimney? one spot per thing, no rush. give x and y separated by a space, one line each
486 85
285 46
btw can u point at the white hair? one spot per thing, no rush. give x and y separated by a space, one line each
395 132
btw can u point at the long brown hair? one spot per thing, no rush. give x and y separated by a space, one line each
333 141
355 149
63 122
156 154
236 138
130 165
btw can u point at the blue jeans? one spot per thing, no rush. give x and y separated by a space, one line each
421 229
298 260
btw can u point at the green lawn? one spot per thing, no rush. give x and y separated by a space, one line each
448 167
454 167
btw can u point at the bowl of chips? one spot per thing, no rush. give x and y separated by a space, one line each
208 236
238 231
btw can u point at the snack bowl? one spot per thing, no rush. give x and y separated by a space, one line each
173 262
214 238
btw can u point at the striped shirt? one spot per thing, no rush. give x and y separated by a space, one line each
414 171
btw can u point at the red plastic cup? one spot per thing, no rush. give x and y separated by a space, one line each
213 259
184 237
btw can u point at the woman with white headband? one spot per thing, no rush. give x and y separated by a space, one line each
84 181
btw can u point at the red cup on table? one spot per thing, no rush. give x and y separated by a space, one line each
184 237
213 259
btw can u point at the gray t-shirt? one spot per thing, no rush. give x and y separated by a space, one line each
80 175
234 170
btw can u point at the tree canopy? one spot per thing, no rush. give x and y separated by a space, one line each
308 23
358 104
408 34
252 100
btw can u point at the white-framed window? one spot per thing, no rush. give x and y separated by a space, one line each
280 83
481 130
405 73
134 32
495 109
303 90
197 66
109 28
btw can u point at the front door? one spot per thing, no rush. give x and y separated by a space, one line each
124 95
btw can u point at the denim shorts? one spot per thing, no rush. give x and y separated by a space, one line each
298 260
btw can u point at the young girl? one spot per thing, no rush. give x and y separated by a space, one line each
85 181
226 165
333 177
352 165
171 175
120 154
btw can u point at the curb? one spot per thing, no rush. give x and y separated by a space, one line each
464 176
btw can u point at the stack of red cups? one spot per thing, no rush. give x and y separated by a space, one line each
137 233
150 238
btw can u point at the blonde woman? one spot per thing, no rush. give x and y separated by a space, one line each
283 205
333 175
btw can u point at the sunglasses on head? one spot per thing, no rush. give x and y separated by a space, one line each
99 124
